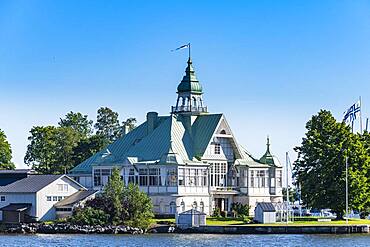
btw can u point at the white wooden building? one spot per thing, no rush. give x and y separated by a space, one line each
265 212
33 197
187 160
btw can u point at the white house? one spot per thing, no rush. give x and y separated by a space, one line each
265 212
33 197
65 207
187 160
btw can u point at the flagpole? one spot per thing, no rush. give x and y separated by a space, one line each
287 189
360 115
347 190
189 50
367 123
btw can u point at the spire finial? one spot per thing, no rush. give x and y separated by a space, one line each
268 143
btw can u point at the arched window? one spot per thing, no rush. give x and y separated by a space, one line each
172 208
182 206
194 103
223 132
195 205
162 207
201 205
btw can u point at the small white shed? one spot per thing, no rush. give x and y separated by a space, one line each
265 212
190 218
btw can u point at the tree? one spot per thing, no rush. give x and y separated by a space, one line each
240 209
137 207
320 166
293 195
130 123
89 216
5 153
87 147
51 149
78 122
124 205
107 124
113 192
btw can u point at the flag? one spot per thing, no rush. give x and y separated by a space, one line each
182 47
351 114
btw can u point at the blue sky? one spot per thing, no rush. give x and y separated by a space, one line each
268 65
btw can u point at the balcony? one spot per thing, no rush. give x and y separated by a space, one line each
197 109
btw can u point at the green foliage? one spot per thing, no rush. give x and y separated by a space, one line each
216 212
89 216
113 192
87 147
293 195
5 153
137 207
78 122
58 149
107 124
320 166
240 209
123 205
130 123
51 149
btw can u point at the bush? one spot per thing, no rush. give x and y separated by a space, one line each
246 219
216 212
240 209
89 216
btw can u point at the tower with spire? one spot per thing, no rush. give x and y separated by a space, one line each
189 94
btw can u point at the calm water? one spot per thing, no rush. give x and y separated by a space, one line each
185 240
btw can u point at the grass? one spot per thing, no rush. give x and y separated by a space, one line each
212 221
218 221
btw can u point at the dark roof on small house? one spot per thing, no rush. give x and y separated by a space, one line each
75 198
17 171
192 212
266 206
17 207
30 184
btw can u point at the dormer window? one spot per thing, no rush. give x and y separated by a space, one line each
217 148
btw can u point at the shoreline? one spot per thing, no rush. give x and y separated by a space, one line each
65 228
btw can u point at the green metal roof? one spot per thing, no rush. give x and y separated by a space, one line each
190 82
171 135
267 158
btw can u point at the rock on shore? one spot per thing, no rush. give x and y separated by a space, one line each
59 228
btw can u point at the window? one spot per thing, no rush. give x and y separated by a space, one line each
48 198
195 205
97 177
181 177
2 198
106 172
63 209
132 178
55 198
279 179
143 177
62 187
218 174
217 148
172 208
154 177
201 207
259 179
172 177
60 198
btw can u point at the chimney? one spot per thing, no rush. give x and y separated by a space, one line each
126 129
151 119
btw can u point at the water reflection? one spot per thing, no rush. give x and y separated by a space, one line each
185 240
